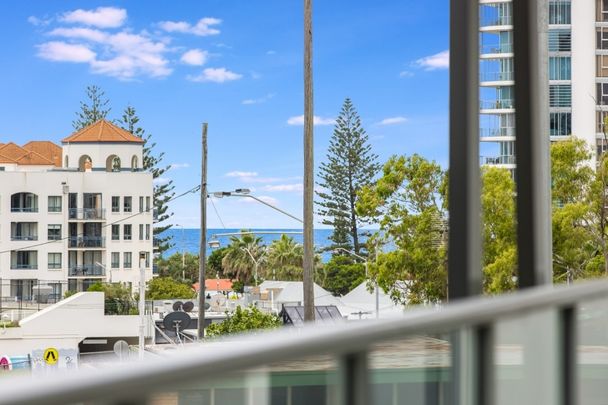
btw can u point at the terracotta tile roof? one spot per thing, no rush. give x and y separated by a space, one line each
212 284
34 158
102 131
4 159
12 151
47 149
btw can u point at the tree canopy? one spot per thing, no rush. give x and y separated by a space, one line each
164 288
243 320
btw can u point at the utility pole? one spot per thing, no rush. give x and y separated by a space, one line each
309 298
202 248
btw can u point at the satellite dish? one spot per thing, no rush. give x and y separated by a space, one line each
121 349
188 306
217 303
207 305
177 305
176 321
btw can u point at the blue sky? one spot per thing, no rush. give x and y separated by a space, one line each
238 66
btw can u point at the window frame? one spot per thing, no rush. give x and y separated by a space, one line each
56 227
55 208
54 265
127 205
127 235
127 264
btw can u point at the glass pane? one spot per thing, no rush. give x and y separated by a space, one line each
410 371
526 359
592 358
297 382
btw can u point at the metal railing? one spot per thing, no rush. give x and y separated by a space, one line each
362 360
24 209
496 104
24 237
495 76
86 242
496 49
87 213
491 132
498 160
16 266
495 20
86 270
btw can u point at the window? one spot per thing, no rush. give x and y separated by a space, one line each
559 12
602 10
115 204
147 204
126 232
559 68
24 259
560 95
115 232
54 203
141 204
24 231
602 93
147 259
54 260
147 231
127 256
24 202
128 204
54 232
115 260
560 40
602 38
560 124
141 231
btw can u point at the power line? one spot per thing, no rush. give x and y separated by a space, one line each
192 190
217 213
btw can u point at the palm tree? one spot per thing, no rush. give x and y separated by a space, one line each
238 262
285 258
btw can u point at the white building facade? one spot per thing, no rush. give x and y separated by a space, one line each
577 48
85 218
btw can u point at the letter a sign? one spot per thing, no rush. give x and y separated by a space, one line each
51 356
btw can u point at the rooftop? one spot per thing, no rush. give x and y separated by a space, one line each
44 153
102 131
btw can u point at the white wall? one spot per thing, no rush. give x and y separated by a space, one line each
99 152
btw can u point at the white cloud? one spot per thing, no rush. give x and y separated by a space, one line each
175 166
406 73
393 121
299 120
38 22
195 57
271 52
102 17
215 75
297 187
241 174
440 60
161 180
57 51
202 28
126 55
258 100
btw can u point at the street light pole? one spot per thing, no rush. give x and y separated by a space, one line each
221 194
255 265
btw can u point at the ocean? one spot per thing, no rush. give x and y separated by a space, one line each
188 239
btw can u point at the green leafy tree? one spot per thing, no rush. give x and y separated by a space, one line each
163 191
163 288
95 108
214 262
238 262
342 275
350 166
118 298
285 259
499 233
182 268
409 201
243 320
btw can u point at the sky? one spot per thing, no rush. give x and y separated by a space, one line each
238 66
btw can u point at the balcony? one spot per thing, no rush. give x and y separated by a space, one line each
498 160
495 20
24 237
87 214
496 76
86 242
506 104
504 49
22 266
496 132
86 270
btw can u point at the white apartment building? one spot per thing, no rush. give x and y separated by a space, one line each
578 47
74 215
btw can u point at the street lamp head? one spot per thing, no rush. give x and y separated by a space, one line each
214 243
242 191
221 194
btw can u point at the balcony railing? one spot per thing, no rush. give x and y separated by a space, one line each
496 104
492 132
17 266
86 242
86 270
492 49
496 347
87 213
495 20
498 160
24 237
24 209
495 76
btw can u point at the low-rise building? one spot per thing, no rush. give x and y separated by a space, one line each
74 215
